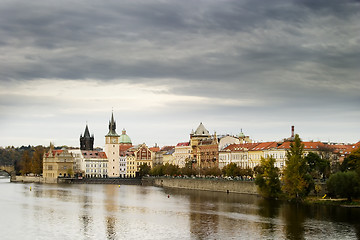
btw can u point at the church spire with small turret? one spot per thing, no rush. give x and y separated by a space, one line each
112 127
112 149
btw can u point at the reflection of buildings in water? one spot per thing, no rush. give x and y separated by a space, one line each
85 216
214 214
110 228
111 208
203 222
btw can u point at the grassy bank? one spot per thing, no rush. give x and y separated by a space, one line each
343 202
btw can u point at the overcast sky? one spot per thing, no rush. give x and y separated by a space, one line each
165 66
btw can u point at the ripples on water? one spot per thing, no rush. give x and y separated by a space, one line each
136 212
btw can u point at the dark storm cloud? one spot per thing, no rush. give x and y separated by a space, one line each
257 48
96 32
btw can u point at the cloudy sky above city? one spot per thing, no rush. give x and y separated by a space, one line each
165 66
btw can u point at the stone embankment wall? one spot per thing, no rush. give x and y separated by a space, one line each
27 179
217 185
117 181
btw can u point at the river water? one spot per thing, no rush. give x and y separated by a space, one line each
138 212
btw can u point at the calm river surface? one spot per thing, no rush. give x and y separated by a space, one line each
137 212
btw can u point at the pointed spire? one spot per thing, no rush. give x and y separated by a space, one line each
86 133
112 127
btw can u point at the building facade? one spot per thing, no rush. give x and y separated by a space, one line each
56 164
182 153
204 148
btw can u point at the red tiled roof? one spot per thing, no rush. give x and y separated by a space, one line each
124 147
307 145
241 147
54 152
154 149
93 154
167 148
183 144
264 146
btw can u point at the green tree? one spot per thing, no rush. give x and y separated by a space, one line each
318 167
352 162
171 169
297 181
268 178
213 171
344 184
144 169
188 170
157 170
246 172
231 170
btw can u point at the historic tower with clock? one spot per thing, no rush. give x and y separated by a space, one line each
112 149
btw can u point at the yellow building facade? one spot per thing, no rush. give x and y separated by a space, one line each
57 163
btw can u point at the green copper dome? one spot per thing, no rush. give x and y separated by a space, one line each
124 138
241 135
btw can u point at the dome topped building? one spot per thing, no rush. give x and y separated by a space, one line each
124 138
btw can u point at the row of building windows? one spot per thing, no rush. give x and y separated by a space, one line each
96 165
94 170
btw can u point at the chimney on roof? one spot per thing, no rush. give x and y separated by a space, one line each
292 132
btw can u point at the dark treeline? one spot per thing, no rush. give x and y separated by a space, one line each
25 159
231 170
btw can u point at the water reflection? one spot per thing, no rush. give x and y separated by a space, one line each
132 212
269 209
294 218
111 207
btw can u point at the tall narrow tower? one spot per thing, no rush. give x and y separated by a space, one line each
86 141
112 149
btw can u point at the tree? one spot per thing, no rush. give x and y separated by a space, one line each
268 178
213 171
171 169
318 167
344 184
297 181
25 163
158 170
231 170
144 169
352 162
37 160
188 169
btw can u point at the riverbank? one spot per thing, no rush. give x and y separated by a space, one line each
204 184
342 202
27 179
39 179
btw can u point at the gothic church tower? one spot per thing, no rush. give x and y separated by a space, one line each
112 149
86 142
